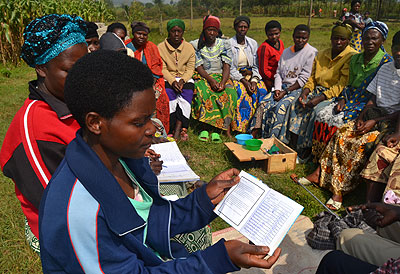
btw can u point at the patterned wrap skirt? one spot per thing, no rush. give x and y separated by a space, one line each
214 108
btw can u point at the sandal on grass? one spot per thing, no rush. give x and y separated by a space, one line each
304 181
204 136
334 205
215 138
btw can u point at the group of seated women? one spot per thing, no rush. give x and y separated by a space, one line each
321 104
337 107
218 81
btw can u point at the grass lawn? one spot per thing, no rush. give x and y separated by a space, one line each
206 159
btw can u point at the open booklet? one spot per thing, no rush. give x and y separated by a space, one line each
261 214
174 168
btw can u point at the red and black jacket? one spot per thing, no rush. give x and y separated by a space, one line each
34 146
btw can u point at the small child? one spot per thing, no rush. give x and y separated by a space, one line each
102 211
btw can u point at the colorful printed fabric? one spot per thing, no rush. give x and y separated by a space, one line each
214 108
31 238
193 241
213 58
343 159
356 40
328 120
247 104
391 266
379 26
301 120
46 37
384 167
356 98
274 116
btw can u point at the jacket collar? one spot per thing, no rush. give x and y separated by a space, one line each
344 52
101 184
171 48
59 107
236 45
374 61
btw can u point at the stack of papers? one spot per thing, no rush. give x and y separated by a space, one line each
174 167
261 214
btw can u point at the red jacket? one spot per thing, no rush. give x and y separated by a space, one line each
268 58
34 146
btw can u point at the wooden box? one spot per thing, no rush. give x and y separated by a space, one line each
274 163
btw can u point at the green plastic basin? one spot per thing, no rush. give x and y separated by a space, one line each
253 144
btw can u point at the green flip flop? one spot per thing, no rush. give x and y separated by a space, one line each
215 138
204 136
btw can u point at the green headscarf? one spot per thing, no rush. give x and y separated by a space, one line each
342 30
175 22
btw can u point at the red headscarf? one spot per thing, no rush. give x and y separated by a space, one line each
211 21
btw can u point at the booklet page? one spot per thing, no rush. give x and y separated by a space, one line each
261 214
174 168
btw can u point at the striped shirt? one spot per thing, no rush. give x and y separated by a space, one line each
386 87
212 58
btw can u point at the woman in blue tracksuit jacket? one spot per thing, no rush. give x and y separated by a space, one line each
102 211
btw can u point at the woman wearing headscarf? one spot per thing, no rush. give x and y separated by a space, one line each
355 19
330 74
215 97
350 103
178 66
244 73
347 152
147 52
36 140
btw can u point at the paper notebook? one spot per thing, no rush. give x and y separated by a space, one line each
261 214
174 167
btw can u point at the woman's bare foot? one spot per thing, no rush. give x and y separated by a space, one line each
229 133
177 131
314 177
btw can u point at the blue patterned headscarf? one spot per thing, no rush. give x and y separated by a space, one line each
46 37
379 26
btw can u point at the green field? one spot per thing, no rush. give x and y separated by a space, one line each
206 159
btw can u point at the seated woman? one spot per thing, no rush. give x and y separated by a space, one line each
294 68
147 52
349 104
215 97
270 52
92 37
119 29
347 152
32 150
355 19
178 66
383 170
330 74
113 219
244 73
